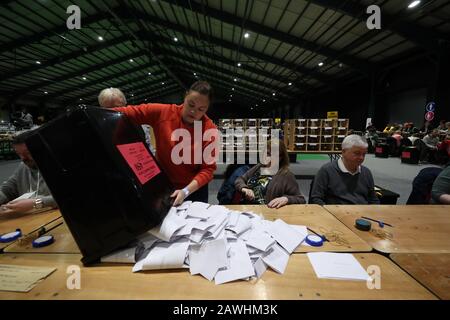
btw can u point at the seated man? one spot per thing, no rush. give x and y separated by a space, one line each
440 193
26 182
345 181
429 146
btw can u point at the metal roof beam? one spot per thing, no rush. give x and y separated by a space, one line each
228 45
229 18
424 37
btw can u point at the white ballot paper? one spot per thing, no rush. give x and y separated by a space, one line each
198 210
240 265
164 256
208 258
285 235
171 223
277 258
303 231
340 266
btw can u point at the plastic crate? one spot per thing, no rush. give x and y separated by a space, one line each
299 146
301 130
314 130
313 139
326 147
312 147
327 139
327 130
314 122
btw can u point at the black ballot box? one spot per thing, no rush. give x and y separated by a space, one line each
410 155
382 151
106 182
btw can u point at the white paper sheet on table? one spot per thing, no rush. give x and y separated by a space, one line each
208 258
260 240
240 265
277 258
171 223
260 267
164 256
184 206
285 235
243 224
341 266
303 231
198 210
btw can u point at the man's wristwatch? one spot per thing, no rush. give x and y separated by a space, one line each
186 192
38 204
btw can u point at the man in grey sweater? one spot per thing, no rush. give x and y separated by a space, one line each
27 182
345 181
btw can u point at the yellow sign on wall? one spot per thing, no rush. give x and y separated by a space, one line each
332 114
277 120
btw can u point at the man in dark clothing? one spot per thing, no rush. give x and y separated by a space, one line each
345 181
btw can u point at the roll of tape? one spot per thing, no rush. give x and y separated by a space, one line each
314 240
43 241
363 225
11 236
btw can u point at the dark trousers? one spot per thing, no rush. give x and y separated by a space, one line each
199 195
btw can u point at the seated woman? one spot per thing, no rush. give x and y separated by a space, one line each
259 186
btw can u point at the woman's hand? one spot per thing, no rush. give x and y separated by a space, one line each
19 206
248 193
278 202
179 197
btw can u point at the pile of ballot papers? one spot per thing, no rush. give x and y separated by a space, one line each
215 242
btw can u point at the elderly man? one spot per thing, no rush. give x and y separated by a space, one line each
26 183
345 181
112 98
428 146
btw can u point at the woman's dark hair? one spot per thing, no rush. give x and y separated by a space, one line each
204 88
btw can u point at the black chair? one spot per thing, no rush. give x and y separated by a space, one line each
422 184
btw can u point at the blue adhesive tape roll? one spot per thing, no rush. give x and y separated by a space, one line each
314 240
43 241
363 225
11 236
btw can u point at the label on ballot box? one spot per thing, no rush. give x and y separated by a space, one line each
406 155
139 160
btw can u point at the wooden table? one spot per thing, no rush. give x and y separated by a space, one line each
64 242
316 218
26 222
417 229
108 281
431 269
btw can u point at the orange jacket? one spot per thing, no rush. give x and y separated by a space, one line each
164 119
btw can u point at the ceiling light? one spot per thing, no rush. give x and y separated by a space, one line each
273 93
81 99
235 80
38 62
162 82
264 100
246 35
232 89
131 60
195 73
84 78
413 4
320 64
100 38
239 64
149 73
175 39
45 92
290 84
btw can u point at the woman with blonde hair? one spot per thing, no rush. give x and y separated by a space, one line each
259 185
